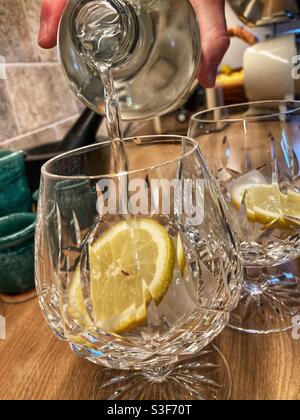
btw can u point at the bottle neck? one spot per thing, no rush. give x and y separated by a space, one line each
104 31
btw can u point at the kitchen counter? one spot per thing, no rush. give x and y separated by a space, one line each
34 364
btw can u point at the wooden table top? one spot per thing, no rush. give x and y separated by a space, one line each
34 364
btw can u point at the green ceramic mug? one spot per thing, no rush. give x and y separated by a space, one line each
15 194
17 253
74 198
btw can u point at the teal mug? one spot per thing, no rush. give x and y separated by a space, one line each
15 194
35 200
74 199
17 253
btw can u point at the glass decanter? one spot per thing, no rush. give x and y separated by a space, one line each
154 48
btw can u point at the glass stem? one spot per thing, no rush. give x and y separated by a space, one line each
158 375
255 280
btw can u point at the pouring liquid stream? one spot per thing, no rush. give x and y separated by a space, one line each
119 161
99 35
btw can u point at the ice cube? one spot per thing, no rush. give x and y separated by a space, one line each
237 188
178 303
252 177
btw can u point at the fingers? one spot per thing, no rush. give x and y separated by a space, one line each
214 38
50 16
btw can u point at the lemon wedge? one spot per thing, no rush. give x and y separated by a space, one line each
266 204
131 264
292 205
180 255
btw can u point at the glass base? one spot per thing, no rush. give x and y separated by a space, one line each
205 376
269 302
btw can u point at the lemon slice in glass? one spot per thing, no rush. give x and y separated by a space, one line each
292 205
131 264
266 204
180 255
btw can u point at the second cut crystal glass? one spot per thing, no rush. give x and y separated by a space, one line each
254 151
139 271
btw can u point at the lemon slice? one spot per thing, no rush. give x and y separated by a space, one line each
266 204
237 195
293 205
180 255
130 265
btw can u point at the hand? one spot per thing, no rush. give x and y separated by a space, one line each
211 17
